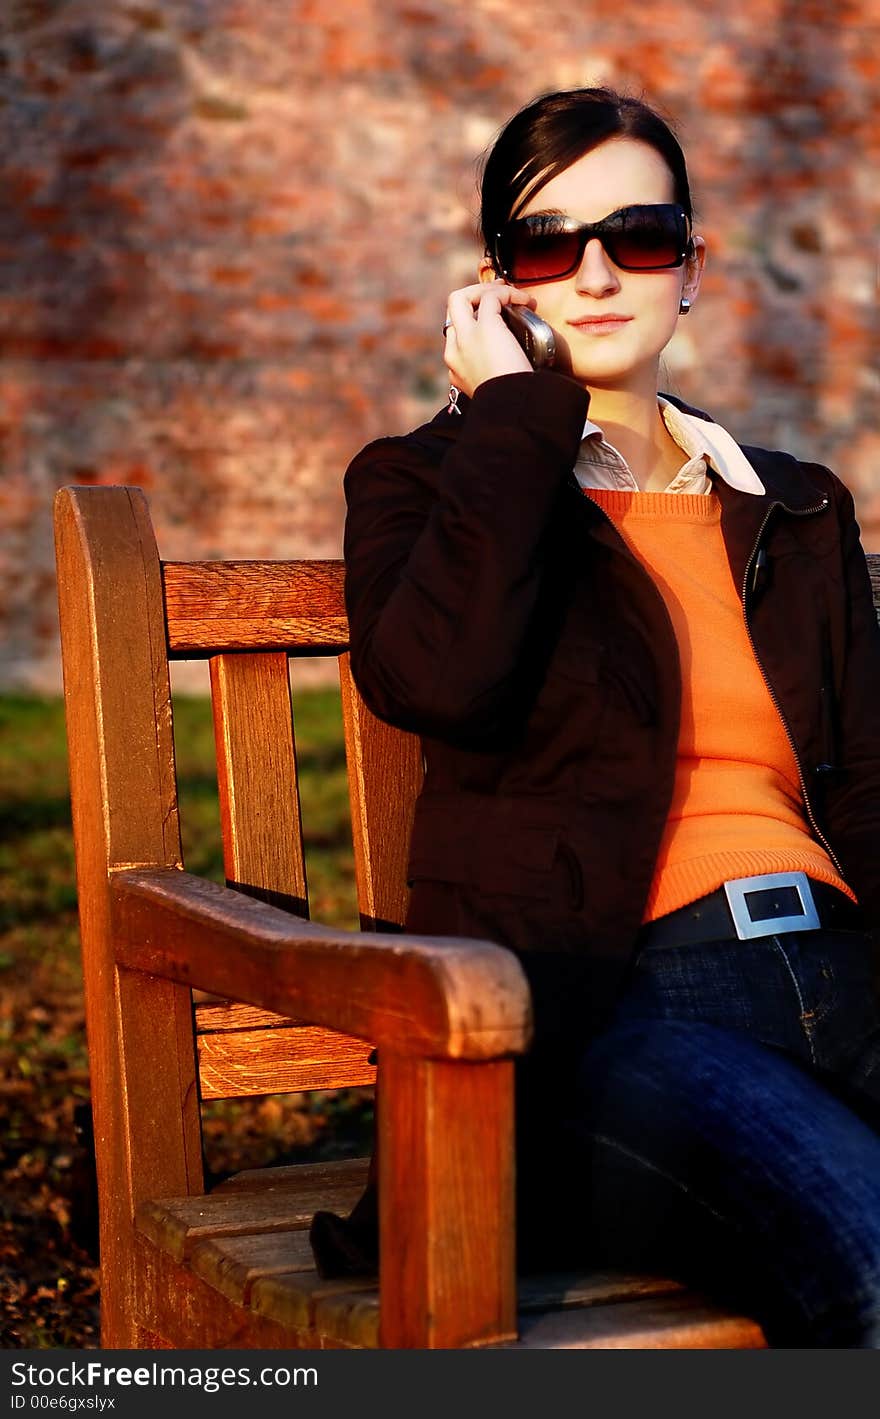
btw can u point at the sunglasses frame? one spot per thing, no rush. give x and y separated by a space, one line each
586 231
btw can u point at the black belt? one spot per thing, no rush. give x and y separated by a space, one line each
748 907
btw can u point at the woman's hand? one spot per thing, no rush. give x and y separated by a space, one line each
479 345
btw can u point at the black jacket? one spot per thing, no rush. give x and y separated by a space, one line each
495 610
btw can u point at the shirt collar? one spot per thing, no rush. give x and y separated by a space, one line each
717 446
700 438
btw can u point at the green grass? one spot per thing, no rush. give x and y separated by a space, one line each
323 793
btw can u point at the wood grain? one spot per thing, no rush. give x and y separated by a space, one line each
217 1016
272 1060
349 1319
124 807
221 606
384 778
177 1225
300 1301
260 814
233 1264
330 1175
232 1037
181 1311
446 1199
435 996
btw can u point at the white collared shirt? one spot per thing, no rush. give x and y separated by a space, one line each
705 445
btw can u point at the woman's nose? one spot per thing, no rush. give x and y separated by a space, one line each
596 274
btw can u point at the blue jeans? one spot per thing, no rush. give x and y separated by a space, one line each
727 1130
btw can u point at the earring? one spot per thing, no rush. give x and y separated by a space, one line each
684 306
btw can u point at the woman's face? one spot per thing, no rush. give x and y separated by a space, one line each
611 325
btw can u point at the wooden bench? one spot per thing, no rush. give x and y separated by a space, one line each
232 1268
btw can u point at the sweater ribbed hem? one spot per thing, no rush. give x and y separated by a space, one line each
685 882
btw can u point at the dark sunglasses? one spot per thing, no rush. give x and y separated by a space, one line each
549 244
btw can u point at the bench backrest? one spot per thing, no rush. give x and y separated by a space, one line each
246 619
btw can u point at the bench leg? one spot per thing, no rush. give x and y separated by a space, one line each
447 1272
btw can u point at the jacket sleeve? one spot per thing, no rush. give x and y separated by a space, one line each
444 562
852 803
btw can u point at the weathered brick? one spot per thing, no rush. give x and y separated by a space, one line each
228 229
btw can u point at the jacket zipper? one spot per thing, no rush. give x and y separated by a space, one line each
794 512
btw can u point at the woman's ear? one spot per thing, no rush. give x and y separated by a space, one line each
486 271
693 269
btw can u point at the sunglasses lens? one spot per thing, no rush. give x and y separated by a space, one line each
542 247
649 238
530 253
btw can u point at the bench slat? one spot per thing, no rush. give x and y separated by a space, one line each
567 1291
330 1174
233 1264
246 1063
343 1312
177 1225
682 1322
257 779
221 606
244 1051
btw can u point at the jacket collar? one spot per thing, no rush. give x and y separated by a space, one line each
784 480
786 485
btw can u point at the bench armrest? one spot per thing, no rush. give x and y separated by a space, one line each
443 998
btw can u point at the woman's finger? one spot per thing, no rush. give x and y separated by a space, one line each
460 306
491 303
464 304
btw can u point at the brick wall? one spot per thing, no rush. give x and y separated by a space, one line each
228 227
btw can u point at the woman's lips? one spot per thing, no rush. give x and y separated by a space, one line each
600 324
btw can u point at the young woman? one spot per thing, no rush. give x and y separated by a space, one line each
646 668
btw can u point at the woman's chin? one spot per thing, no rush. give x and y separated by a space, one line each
601 376
596 364
601 370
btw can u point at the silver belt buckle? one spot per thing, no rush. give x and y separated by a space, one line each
747 927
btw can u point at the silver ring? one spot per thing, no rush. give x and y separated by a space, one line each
446 325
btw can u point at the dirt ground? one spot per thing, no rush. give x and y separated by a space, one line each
48 1223
49 1283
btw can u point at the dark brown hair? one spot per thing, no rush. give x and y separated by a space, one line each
552 132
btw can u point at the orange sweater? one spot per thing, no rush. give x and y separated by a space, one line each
737 805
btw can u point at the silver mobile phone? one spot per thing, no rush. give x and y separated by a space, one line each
533 333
